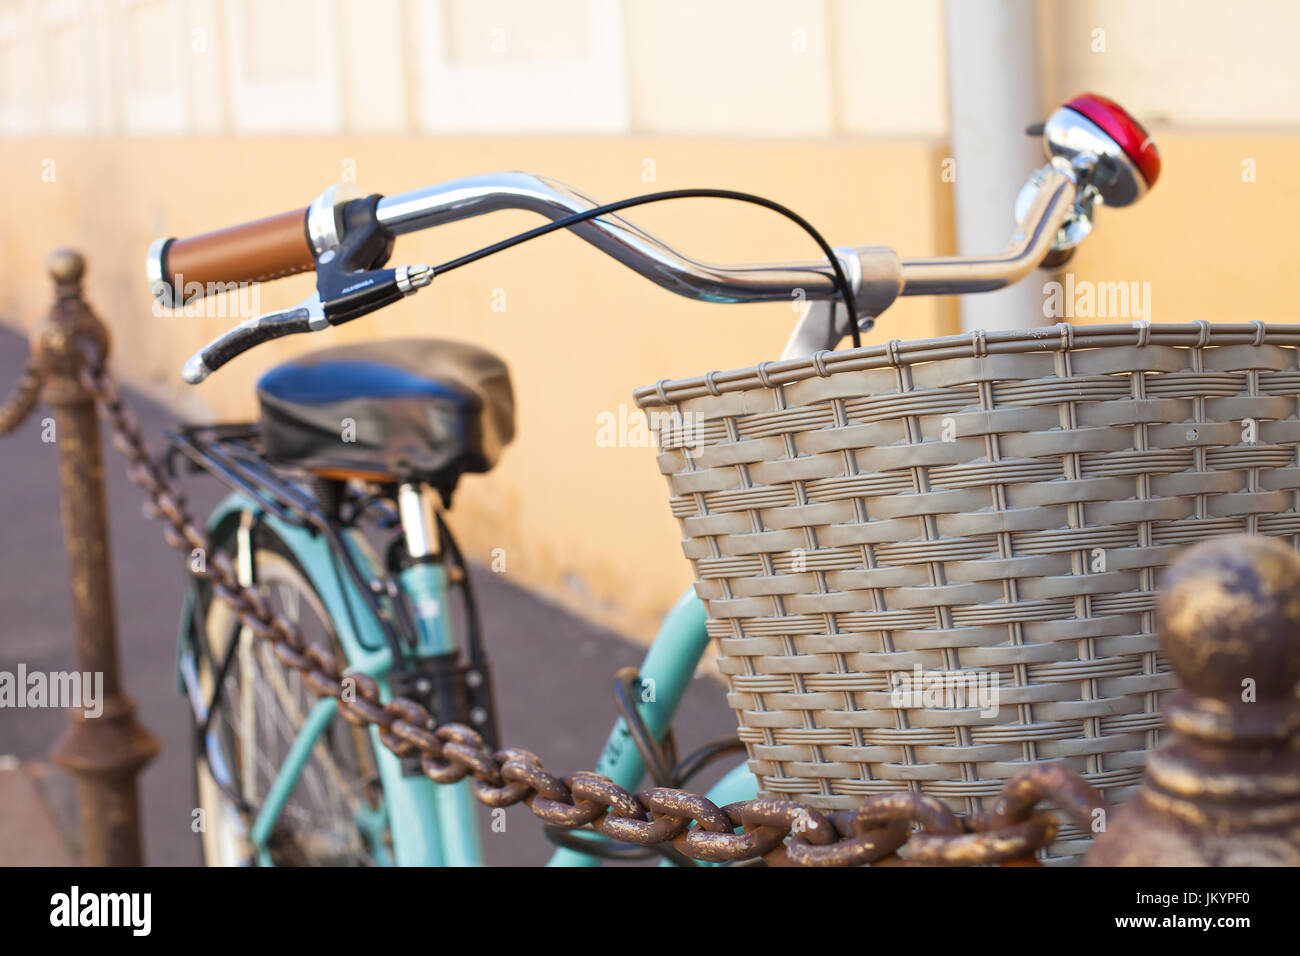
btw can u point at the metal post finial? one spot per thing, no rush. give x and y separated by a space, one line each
66 266
1223 788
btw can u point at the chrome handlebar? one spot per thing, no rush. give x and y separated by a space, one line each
624 241
877 274
1096 154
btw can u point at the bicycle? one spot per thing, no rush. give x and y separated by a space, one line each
281 780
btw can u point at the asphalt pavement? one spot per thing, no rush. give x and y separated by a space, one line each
553 672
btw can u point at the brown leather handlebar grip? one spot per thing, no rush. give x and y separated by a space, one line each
252 252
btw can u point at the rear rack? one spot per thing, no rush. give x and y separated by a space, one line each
233 454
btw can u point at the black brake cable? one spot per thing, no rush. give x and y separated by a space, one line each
841 281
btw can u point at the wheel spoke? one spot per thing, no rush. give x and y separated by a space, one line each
295 719
263 708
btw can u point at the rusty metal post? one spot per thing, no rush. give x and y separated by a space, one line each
105 753
1224 788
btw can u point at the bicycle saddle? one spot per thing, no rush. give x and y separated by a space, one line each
401 410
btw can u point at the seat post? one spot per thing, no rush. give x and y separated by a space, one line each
417 509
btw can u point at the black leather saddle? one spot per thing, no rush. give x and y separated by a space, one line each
402 410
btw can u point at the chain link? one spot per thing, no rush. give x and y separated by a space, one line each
781 832
21 400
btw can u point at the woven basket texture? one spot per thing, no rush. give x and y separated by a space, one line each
876 532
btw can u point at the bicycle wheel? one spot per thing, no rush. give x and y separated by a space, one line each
334 815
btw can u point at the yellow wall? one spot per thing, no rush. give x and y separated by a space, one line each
1212 244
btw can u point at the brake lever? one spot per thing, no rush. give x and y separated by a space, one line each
360 293
306 316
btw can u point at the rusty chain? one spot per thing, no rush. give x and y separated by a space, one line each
21 400
779 831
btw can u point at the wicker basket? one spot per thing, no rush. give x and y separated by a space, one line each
990 506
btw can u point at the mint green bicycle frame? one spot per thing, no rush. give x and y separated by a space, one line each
438 824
